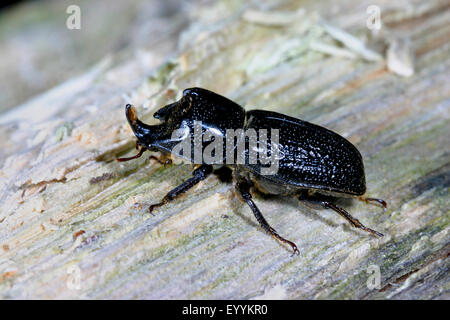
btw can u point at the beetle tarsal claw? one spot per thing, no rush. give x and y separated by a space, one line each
375 233
275 235
157 205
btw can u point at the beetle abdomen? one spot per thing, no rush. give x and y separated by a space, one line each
311 156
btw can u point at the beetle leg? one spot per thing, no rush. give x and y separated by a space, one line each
199 174
380 201
353 221
138 155
164 162
243 188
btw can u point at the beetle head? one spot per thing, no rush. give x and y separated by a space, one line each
177 110
145 133
196 104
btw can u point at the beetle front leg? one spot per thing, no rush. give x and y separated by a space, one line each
243 188
140 149
199 174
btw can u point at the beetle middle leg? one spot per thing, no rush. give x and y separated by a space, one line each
199 174
163 161
243 188
325 202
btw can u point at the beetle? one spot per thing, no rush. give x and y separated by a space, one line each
317 165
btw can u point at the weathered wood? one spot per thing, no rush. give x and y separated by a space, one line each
69 210
38 51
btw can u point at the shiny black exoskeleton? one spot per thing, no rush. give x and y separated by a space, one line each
314 164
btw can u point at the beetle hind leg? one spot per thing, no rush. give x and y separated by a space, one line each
326 202
379 201
243 188
353 221
199 174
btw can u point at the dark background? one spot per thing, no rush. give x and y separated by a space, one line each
9 3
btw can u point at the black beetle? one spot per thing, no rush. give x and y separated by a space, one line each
317 165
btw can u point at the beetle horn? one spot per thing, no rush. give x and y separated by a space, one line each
144 132
130 112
